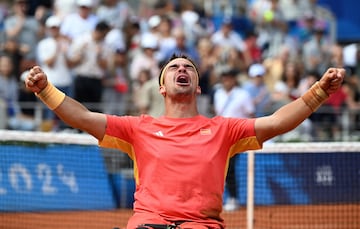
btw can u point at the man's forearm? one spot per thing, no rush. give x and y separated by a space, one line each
51 96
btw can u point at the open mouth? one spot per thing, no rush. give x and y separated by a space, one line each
183 80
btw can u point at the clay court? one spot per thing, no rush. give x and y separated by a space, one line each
279 217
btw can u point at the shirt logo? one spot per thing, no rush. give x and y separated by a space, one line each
205 131
159 133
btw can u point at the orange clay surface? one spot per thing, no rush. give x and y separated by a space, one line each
279 217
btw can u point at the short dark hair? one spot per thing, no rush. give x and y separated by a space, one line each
102 26
229 72
175 56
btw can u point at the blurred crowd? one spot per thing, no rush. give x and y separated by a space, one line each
107 54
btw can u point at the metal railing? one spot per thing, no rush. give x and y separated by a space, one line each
346 128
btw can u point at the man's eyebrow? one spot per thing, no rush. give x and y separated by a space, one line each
177 65
189 65
174 65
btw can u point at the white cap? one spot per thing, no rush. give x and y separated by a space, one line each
149 40
154 21
53 21
115 39
256 70
87 3
190 18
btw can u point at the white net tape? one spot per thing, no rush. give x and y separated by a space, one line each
311 147
47 137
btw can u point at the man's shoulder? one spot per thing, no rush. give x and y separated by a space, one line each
130 120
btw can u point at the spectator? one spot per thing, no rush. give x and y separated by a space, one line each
133 38
275 66
322 14
80 22
12 49
208 56
115 12
227 39
317 52
153 25
127 13
208 78
41 10
351 57
305 28
88 56
286 89
9 93
115 39
169 10
181 46
255 50
4 12
23 29
63 8
166 39
258 90
191 23
149 100
307 80
52 56
8 88
352 91
230 100
146 58
291 11
116 85
143 77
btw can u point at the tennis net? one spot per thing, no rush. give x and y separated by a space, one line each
61 180
303 185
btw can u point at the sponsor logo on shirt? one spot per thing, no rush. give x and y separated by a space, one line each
205 131
159 133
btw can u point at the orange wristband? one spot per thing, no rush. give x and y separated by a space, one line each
51 96
315 96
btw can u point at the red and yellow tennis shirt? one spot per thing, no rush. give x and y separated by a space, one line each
180 164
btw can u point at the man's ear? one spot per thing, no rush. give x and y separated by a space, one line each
198 90
162 90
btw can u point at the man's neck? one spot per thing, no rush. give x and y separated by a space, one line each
180 110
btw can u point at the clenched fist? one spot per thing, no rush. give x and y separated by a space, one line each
36 80
332 79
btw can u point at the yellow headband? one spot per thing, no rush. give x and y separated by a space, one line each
161 80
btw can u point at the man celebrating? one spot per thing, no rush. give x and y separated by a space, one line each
181 158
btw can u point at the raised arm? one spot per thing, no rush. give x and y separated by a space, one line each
69 110
292 114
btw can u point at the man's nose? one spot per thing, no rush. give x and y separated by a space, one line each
182 68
